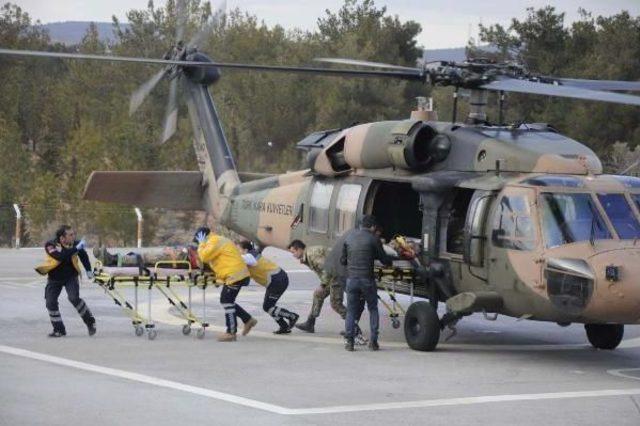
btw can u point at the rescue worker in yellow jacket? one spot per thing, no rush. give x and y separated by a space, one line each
275 280
62 267
222 255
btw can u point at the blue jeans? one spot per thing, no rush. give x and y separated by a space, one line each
359 291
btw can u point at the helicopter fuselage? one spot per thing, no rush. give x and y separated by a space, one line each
548 246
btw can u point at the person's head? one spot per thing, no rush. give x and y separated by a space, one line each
65 235
296 248
202 229
369 222
245 246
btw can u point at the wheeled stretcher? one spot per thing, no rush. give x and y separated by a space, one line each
164 276
401 274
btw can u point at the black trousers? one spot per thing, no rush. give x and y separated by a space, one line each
52 292
231 309
276 289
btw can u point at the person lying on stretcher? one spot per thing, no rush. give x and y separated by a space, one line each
149 258
407 249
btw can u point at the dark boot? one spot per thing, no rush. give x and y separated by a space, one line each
348 345
284 327
57 333
308 325
373 345
91 326
293 319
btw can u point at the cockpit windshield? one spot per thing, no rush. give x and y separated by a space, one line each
571 217
621 215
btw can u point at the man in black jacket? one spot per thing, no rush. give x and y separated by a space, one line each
359 251
63 268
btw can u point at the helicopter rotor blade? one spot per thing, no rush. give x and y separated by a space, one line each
357 62
141 92
208 27
406 75
414 74
171 114
536 88
632 86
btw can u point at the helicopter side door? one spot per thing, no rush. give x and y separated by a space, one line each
515 250
333 207
463 208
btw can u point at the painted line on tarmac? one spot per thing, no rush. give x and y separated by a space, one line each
277 409
142 378
619 373
473 400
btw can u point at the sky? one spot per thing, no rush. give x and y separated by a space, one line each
444 23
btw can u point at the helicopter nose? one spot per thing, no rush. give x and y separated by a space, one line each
616 295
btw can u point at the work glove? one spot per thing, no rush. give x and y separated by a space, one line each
200 237
90 275
81 244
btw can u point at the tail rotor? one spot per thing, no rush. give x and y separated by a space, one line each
174 73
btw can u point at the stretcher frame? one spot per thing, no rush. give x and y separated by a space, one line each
163 283
386 279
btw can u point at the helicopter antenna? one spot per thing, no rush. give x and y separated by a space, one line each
455 105
501 97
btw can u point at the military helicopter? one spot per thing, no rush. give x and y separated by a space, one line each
516 220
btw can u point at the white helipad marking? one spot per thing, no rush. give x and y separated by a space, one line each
619 373
145 379
467 401
272 408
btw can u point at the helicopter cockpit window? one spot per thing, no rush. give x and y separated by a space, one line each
319 207
512 226
569 218
551 180
621 216
346 206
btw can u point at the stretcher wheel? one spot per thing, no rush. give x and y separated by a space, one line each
395 323
152 333
186 329
139 330
200 333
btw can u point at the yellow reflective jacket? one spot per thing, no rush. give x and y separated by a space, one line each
50 263
223 257
263 270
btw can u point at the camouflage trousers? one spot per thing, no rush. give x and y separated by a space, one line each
332 287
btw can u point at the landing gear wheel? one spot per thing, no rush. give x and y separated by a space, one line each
200 333
604 336
186 329
395 323
139 330
422 327
152 333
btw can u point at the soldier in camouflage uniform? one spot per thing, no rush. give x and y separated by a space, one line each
320 261
314 257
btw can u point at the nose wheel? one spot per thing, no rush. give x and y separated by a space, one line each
604 336
422 327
